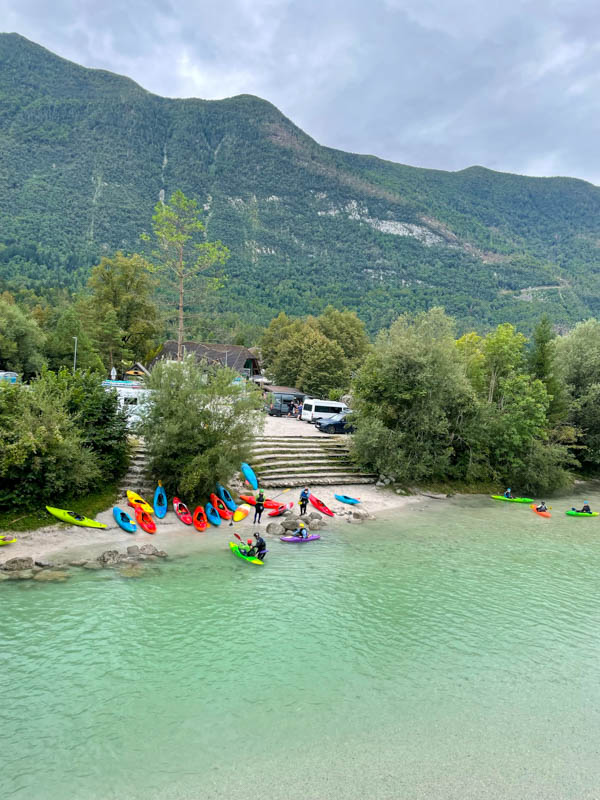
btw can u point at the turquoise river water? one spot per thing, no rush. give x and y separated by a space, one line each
449 650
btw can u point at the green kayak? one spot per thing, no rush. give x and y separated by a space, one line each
579 514
512 499
235 549
73 518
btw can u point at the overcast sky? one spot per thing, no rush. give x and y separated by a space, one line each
513 85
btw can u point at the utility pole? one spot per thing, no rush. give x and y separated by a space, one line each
75 356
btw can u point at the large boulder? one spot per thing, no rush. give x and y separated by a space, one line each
109 557
360 513
148 550
290 524
315 524
16 564
133 550
275 529
315 515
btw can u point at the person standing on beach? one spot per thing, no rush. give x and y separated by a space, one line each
259 507
304 500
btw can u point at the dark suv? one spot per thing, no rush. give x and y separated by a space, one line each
337 424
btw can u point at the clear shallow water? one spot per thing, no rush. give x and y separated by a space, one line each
448 651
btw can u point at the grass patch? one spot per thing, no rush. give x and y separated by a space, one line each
17 519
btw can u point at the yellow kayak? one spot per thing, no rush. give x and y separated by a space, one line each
136 500
241 512
6 541
73 518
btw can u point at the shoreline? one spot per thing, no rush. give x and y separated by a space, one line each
70 542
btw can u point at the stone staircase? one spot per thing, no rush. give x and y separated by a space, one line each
136 477
281 461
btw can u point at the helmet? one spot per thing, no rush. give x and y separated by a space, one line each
249 541
509 489
301 524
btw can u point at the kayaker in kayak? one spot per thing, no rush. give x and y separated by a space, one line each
303 500
259 507
301 531
260 546
249 551
541 507
585 510
508 494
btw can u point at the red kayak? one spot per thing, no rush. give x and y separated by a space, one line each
199 519
222 509
320 506
144 520
182 511
280 509
248 498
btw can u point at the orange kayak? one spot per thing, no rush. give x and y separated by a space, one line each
199 519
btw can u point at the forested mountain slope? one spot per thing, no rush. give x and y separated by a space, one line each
85 155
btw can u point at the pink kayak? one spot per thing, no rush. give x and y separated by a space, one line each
280 509
299 539
319 505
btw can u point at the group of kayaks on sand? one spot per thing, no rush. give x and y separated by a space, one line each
542 509
221 506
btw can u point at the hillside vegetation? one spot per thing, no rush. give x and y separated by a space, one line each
85 155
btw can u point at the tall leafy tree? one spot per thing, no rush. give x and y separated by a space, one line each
181 251
543 366
21 340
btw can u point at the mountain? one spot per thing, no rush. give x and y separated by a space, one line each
86 154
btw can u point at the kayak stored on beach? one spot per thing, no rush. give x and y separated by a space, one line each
199 519
123 520
280 509
134 499
581 514
211 514
182 511
267 503
512 499
226 497
73 518
241 512
4 541
222 509
319 505
343 498
540 513
236 550
299 539
248 498
160 501
144 520
249 475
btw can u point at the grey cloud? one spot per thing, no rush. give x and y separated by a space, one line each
511 86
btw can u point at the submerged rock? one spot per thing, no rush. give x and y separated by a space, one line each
92 565
133 571
109 557
51 575
14 564
21 574
162 554
78 562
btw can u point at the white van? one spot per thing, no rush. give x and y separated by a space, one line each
313 409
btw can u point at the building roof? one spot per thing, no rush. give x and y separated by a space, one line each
229 355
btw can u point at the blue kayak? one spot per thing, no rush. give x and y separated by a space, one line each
249 475
124 520
226 497
343 498
160 501
211 514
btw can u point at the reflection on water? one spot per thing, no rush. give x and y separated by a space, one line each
450 650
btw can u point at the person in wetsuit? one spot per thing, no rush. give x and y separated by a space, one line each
260 546
541 507
585 510
303 500
259 507
508 494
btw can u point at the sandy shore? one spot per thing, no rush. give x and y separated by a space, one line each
64 542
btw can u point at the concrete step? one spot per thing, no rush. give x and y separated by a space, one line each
318 480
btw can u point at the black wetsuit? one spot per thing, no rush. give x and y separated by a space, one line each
258 510
303 503
585 510
261 547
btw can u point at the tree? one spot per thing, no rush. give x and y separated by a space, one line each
177 226
345 328
503 349
21 340
543 366
198 423
67 324
124 316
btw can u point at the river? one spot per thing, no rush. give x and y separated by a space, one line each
450 650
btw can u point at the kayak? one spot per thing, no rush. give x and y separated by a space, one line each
211 514
241 512
4 541
343 498
236 550
199 519
160 501
540 513
226 497
73 518
512 499
144 520
320 506
280 509
123 520
182 511
134 499
249 475
222 509
271 503
581 514
299 539
248 498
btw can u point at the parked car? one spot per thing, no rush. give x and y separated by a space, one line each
336 424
